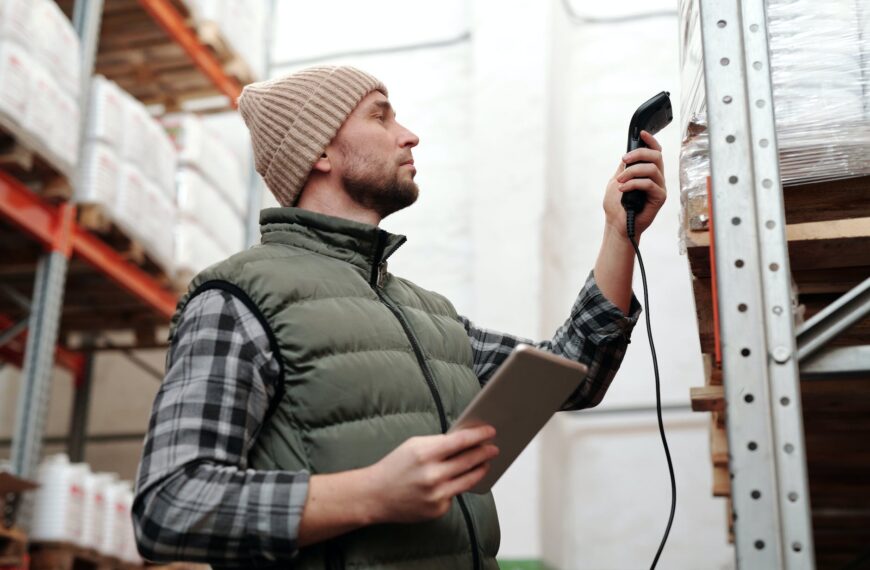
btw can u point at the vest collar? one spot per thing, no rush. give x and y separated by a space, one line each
363 245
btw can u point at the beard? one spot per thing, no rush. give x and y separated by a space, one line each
382 193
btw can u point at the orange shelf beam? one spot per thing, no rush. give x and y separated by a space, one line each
13 352
44 222
168 18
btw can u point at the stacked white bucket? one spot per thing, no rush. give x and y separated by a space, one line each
40 75
90 510
129 169
211 195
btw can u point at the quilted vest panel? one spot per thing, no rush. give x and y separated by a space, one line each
368 358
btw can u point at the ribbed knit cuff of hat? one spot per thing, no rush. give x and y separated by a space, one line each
293 118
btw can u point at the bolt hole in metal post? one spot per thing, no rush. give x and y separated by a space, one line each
721 23
730 139
724 61
732 179
756 494
770 224
796 546
752 446
774 266
738 263
763 143
735 220
745 352
748 398
784 401
793 497
727 99
789 448
759 544
742 307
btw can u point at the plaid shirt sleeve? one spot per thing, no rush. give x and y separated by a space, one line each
196 499
597 334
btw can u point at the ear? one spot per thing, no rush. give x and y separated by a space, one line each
322 165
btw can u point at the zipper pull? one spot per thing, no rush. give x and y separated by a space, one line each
382 273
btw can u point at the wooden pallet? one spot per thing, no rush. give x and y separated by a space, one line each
28 159
13 547
136 53
828 228
65 556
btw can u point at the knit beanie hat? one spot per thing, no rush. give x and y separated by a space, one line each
293 118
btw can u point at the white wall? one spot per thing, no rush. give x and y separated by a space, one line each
605 487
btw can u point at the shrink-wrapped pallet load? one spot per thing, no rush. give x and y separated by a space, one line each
819 71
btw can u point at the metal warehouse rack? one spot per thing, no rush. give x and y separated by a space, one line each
795 400
82 285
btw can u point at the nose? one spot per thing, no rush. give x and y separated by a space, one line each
408 139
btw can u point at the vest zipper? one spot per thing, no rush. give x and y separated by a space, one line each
377 278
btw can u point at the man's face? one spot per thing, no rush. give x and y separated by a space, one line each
372 154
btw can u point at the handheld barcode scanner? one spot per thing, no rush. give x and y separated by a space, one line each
652 116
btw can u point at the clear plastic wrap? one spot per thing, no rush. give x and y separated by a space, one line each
820 69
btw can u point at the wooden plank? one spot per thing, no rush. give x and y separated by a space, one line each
721 482
718 443
13 546
708 398
814 202
813 246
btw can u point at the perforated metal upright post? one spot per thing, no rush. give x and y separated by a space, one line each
38 360
48 290
765 430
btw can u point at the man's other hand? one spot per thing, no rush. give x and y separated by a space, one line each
418 480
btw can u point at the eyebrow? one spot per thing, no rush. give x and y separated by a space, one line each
384 105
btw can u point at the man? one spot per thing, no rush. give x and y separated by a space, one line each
302 420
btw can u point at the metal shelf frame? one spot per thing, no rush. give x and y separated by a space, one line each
33 347
764 357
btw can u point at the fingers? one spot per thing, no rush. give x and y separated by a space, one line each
650 140
467 460
642 170
466 481
644 155
653 190
453 443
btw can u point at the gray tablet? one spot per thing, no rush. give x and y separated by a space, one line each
517 401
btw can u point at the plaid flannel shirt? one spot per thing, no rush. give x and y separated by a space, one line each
196 497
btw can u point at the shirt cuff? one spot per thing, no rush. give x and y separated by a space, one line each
275 513
595 316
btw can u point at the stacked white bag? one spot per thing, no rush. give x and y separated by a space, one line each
40 76
211 195
129 169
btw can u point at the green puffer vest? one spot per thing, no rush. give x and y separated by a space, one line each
368 360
